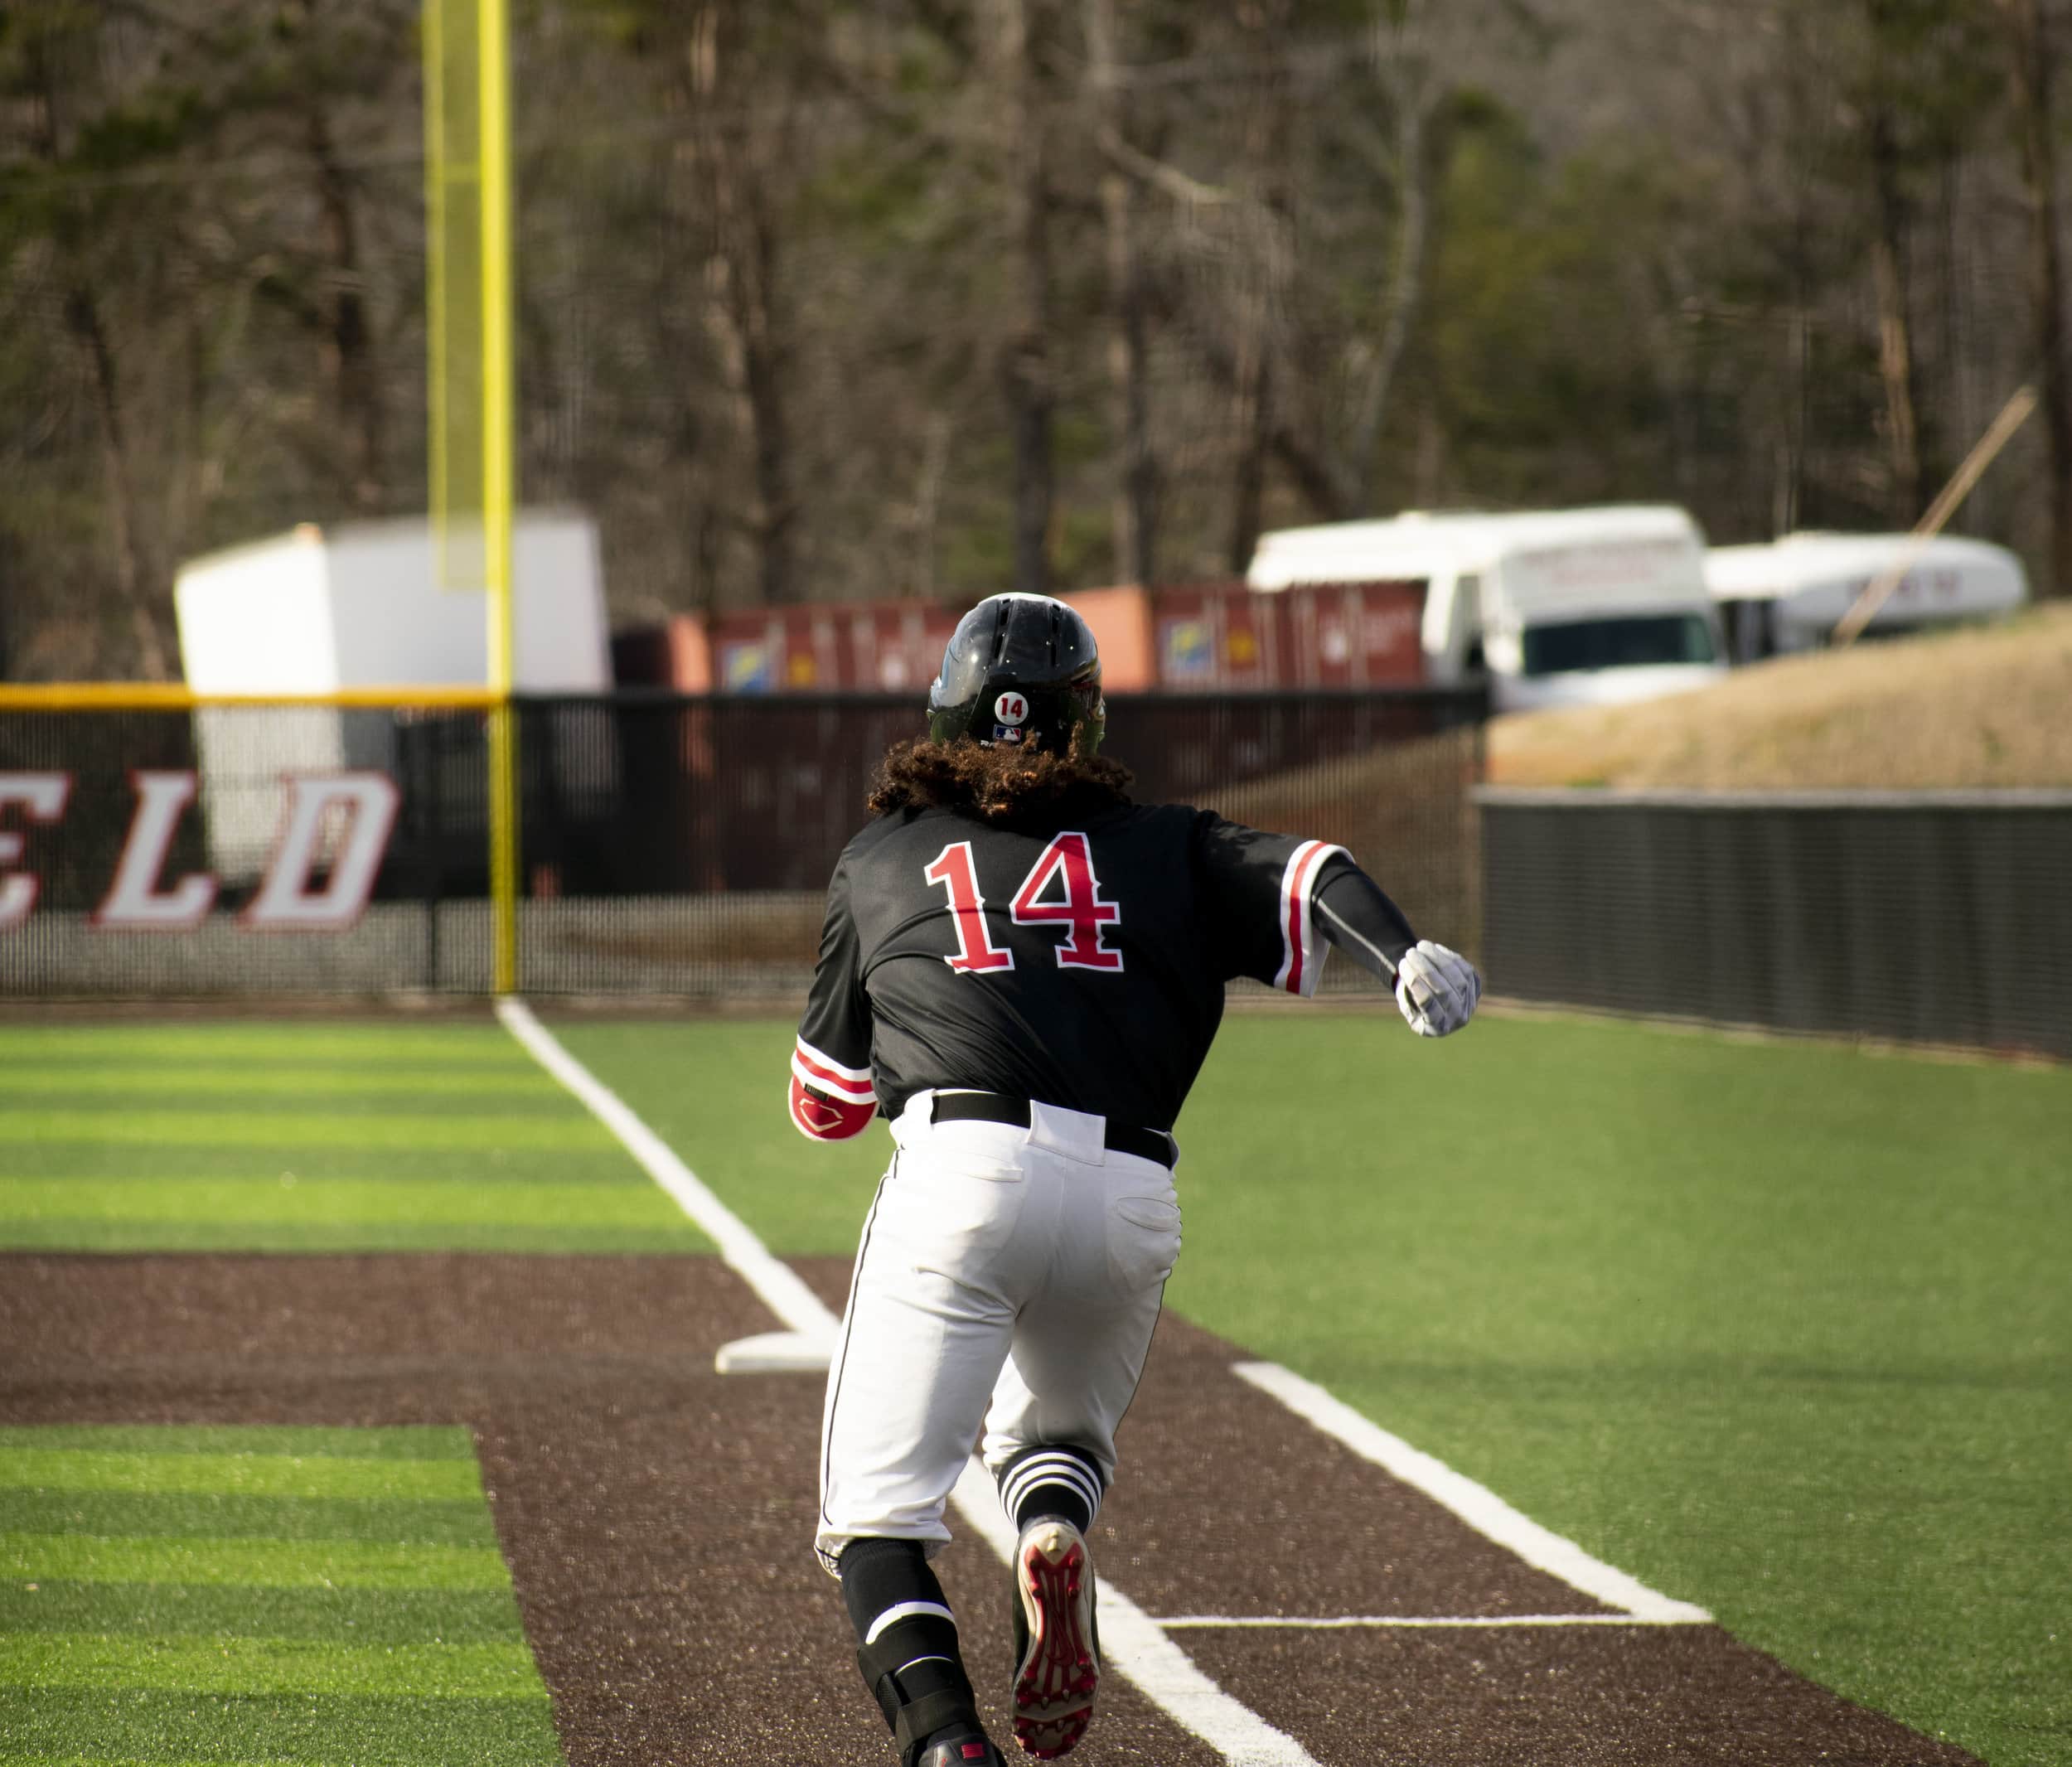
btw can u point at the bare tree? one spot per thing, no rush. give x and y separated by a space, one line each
1025 366
1136 470
2031 56
744 276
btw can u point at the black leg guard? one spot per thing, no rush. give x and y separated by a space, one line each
919 1695
908 1641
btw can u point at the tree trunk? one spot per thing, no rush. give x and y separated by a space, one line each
133 572
1407 270
1267 272
1129 392
1254 423
1896 356
744 278
1026 379
2031 67
350 361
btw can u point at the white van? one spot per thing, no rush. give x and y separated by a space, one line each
1561 607
1787 595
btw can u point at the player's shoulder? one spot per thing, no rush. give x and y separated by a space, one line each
888 837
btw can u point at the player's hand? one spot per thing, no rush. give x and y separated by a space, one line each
1436 989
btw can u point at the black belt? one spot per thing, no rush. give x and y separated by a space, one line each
997 1108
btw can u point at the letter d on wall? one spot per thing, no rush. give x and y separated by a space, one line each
285 902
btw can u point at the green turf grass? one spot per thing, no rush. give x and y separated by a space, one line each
379 1042
732 1127
71 1725
258 1595
177 1082
32 1466
207 1559
309 1137
365 1616
1782 1328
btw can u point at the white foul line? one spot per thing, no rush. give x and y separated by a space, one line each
1437 1622
776 1285
1131 1643
1134 1644
1481 1508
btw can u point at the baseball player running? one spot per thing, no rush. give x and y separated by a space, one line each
1023 971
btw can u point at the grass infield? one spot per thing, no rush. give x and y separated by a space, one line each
258 1595
1782 1328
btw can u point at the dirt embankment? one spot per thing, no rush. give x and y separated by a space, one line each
1984 707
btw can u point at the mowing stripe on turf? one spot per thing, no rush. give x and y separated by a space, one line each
306 1203
511 1163
129 1080
238 1129
499 1670
228 1516
203 1045
72 1724
276 1564
291 1234
351 1616
238 1475
399 1099
408 1441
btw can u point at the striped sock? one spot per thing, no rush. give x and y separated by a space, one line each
1051 1481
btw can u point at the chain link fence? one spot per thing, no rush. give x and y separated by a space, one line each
670 844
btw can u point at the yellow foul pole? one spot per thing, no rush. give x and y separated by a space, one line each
499 479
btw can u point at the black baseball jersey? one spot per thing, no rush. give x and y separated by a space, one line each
1082 967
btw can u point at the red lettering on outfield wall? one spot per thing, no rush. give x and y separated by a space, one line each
42 796
134 900
366 804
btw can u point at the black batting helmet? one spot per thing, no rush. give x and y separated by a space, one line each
1020 669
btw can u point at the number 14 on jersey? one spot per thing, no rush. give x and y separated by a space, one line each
1067 862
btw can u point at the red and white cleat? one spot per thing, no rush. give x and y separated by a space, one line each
1058 1651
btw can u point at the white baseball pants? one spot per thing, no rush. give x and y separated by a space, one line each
1009 1278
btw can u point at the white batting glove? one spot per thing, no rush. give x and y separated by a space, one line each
1436 989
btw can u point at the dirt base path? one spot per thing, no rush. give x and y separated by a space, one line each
658 1519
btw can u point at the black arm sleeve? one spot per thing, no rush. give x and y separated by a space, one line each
1354 915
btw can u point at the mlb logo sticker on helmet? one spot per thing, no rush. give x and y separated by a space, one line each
1011 709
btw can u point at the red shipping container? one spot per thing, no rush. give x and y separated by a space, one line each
1354 634
1215 636
1222 636
866 647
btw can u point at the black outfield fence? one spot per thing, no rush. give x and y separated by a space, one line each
1942 917
669 844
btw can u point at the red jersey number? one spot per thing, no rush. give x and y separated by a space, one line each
1082 910
1067 864
953 870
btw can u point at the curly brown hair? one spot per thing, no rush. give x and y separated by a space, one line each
1003 784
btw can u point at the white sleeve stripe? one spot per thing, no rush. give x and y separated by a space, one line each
849 1091
1301 962
829 1065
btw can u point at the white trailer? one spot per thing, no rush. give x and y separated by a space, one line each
1787 594
1559 607
359 605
